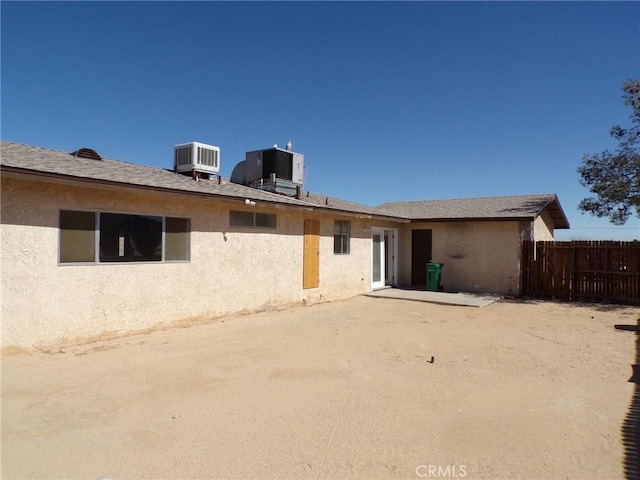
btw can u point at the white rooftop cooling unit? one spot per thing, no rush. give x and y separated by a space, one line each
194 156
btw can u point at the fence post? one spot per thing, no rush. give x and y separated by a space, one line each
574 261
606 273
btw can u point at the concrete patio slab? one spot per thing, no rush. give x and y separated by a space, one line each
443 298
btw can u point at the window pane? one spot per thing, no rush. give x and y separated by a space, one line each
341 236
176 239
266 220
337 240
337 244
241 219
114 233
251 219
345 244
77 236
130 238
113 229
346 231
377 267
146 238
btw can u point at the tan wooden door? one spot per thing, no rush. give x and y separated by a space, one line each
311 256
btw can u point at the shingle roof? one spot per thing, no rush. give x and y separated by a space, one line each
325 201
41 161
525 207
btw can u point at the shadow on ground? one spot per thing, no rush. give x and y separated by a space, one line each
601 307
631 424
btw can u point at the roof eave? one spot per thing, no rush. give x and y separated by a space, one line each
472 219
370 216
560 221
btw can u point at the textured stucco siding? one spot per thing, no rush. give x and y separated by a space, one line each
231 268
543 227
477 256
343 276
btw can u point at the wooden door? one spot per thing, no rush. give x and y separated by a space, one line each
420 256
311 255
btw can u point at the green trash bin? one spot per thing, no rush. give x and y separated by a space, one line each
434 274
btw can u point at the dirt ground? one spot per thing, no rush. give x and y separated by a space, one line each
347 389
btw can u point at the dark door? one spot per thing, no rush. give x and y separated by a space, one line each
420 256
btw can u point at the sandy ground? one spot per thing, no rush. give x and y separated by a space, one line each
340 390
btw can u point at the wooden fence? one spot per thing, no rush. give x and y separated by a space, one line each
582 271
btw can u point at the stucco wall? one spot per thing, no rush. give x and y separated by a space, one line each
543 227
477 256
231 268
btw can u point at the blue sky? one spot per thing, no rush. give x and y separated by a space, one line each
387 101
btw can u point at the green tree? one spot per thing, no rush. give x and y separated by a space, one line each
615 177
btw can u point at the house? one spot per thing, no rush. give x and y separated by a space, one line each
477 239
92 245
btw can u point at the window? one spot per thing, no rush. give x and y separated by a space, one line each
341 237
176 239
130 238
241 219
252 219
77 237
265 220
122 238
